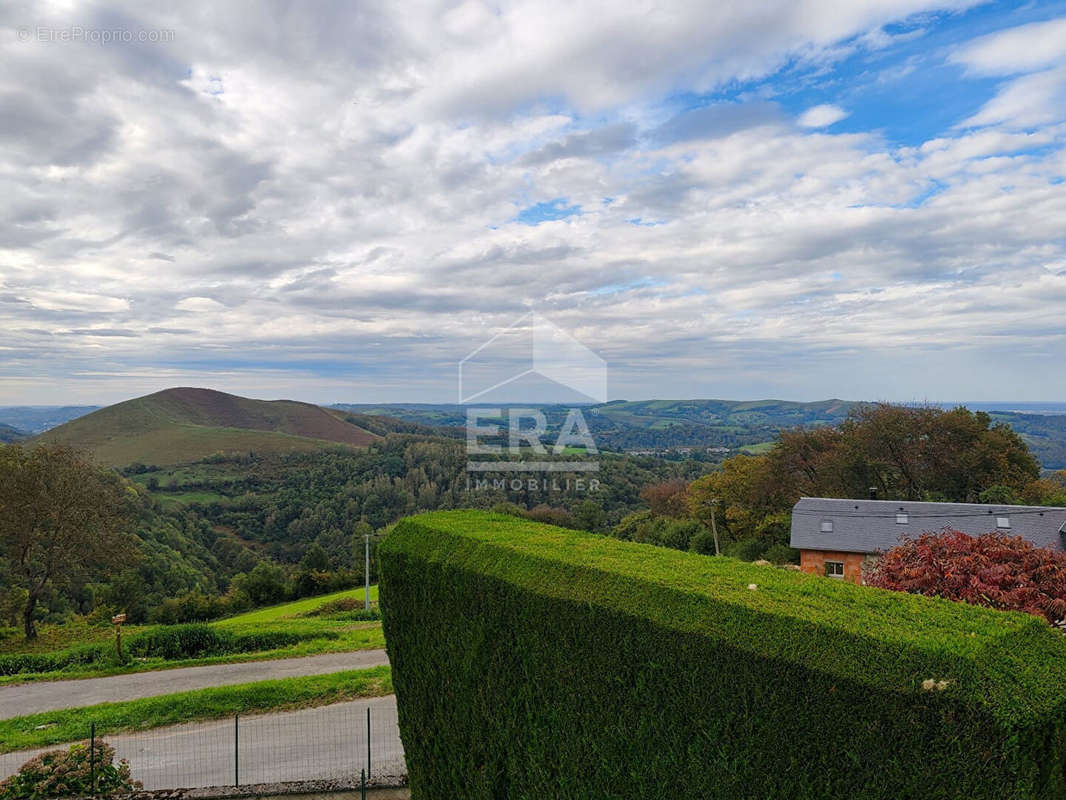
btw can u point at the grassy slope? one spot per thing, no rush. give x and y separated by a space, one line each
297 608
182 425
285 617
66 725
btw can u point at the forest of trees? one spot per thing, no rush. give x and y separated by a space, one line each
279 527
901 453
236 531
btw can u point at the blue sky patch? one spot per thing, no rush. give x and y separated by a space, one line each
548 211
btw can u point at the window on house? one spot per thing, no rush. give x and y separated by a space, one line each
902 519
834 569
827 526
1003 523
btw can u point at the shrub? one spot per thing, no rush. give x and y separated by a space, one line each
169 642
993 570
781 554
534 661
18 663
350 608
337 606
67 773
175 642
745 549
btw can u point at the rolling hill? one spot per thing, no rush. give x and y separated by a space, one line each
746 425
37 419
9 434
178 426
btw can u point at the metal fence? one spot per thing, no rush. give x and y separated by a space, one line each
329 743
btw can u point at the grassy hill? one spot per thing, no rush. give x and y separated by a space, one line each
178 426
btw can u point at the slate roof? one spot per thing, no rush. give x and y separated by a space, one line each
869 526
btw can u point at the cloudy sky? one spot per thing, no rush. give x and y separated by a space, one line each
338 201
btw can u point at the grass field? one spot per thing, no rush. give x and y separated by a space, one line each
297 608
758 449
183 498
290 617
67 725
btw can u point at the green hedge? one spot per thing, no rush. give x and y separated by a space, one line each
531 661
174 642
169 642
82 655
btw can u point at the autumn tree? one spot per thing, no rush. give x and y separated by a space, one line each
1049 491
62 520
748 497
902 452
1004 572
666 499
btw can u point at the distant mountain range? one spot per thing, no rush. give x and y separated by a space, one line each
185 424
37 419
736 424
9 434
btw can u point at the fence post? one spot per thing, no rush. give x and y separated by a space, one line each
368 741
92 759
236 750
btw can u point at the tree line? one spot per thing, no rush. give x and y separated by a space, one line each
78 539
282 526
890 452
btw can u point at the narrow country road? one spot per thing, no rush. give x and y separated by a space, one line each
29 698
310 744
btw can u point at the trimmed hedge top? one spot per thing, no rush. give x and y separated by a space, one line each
1010 664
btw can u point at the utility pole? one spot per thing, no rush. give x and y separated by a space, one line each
366 575
714 530
366 565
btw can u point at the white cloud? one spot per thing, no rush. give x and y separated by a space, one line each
59 300
1036 52
335 194
200 304
822 116
1025 48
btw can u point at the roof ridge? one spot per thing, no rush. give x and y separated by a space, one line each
934 503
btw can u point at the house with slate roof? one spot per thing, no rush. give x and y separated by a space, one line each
835 537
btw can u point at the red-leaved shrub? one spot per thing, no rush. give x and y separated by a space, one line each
1004 572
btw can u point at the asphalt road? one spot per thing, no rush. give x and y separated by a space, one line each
29 698
311 744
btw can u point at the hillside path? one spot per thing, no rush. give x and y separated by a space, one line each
29 698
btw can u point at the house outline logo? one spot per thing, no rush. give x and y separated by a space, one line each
552 354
